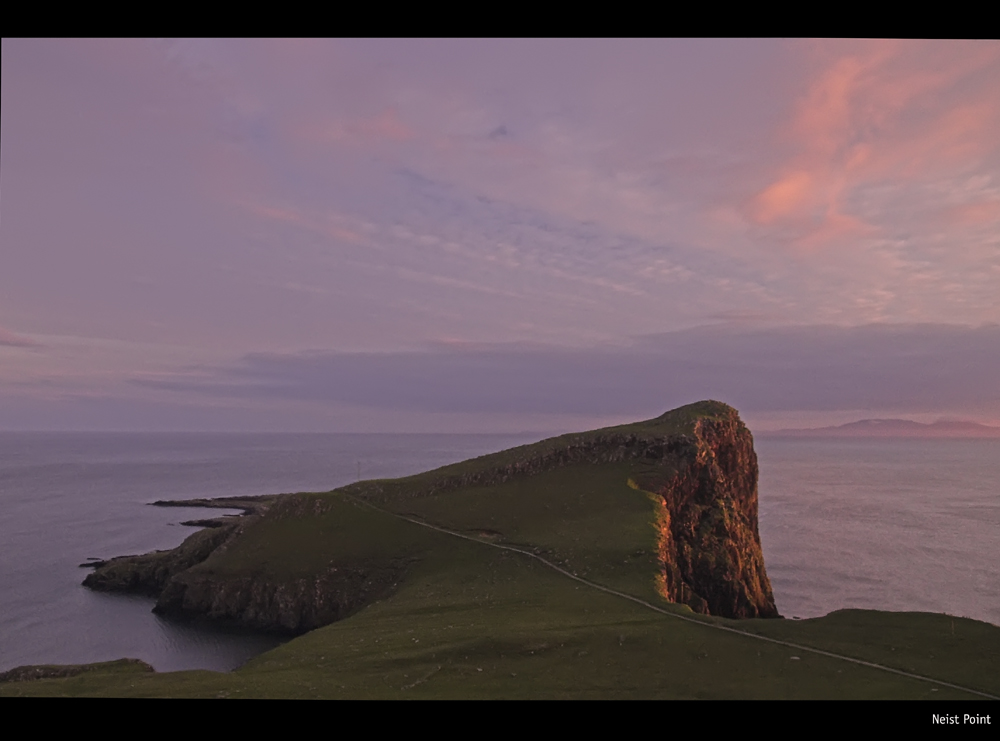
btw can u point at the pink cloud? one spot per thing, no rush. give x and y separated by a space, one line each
788 194
887 112
386 126
981 212
11 339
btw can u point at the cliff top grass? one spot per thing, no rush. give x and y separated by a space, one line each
502 592
677 422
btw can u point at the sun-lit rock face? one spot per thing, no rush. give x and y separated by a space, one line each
709 546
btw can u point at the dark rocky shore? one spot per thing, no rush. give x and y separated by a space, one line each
58 671
149 573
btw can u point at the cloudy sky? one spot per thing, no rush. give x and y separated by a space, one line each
496 235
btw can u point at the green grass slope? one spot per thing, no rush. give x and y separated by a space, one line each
475 597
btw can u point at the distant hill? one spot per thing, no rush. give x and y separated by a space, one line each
893 428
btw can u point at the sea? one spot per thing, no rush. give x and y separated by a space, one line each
888 524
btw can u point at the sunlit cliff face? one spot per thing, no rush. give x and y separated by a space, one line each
709 546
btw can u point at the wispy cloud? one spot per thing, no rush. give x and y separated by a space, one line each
883 114
12 339
385 126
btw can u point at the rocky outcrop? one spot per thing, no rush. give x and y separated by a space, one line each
58 671
149 573
256 600
294 605
709 546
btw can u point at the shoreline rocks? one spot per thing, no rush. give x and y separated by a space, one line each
58 671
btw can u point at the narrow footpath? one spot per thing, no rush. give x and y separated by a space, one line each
668 613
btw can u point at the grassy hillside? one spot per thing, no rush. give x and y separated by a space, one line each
471 594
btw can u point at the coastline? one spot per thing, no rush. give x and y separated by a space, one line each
770 496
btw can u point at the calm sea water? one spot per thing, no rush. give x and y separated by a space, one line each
886 524
69 496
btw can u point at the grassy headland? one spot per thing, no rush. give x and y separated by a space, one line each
538 572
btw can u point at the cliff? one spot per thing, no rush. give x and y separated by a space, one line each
283 569
709 546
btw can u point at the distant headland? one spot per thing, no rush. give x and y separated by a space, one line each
893 428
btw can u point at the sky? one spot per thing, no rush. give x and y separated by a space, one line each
496 235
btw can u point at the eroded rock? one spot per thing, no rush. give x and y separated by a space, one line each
709 545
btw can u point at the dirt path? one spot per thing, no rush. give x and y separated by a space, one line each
668 613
